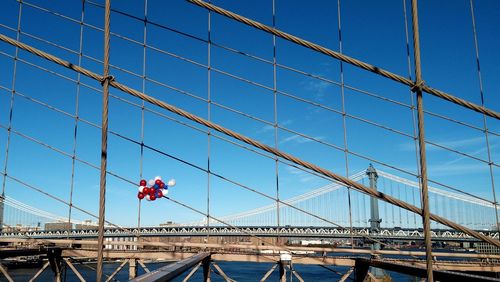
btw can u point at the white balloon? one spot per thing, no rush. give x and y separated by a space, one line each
151 182
164 192
147 198
140 188
171 183
158 177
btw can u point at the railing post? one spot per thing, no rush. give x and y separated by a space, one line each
206 269
421 142
132 268
55 260
282 271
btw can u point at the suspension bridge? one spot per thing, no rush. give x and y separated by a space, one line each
325 203
268 127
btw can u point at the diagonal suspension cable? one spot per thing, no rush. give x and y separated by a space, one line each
220 137
347 59
214 69
481 94
250 141
185 162
281 93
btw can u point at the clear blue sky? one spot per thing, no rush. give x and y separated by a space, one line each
372 31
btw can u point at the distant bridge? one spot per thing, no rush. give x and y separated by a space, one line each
325 203
260 231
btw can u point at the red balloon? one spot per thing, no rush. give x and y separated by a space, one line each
143 183
140 195
158 181
160 194
145 190
152 197
152 191
162 185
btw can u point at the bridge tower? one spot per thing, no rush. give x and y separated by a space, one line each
374 217
374 214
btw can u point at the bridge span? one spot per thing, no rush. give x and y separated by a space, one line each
260 231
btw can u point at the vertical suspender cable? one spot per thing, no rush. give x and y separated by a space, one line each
141 159
143 104
393 213
11 110
386 215
408 59
400 210
344 124
486 136
275 89
104 140
75 131
407 191
421 142
209 112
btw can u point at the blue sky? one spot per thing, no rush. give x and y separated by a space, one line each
372 31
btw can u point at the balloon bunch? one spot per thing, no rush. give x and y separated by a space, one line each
154 188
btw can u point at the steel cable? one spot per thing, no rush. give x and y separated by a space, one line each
248 140
347 59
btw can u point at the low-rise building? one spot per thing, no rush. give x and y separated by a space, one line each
58 225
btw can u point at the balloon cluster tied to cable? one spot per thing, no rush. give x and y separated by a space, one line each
154 188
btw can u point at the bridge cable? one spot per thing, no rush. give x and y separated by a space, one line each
131 182
209 116
143 104
133 41
259 85
184 205
252 235
417 87
412 101
134 184
78 208
443 147
344 123
110 173
245 139
75 130
347 59
260 59
275 125
481 93
105 81
11 111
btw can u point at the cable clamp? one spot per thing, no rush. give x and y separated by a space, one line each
108 78
417 86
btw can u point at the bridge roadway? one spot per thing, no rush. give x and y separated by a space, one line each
266 231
